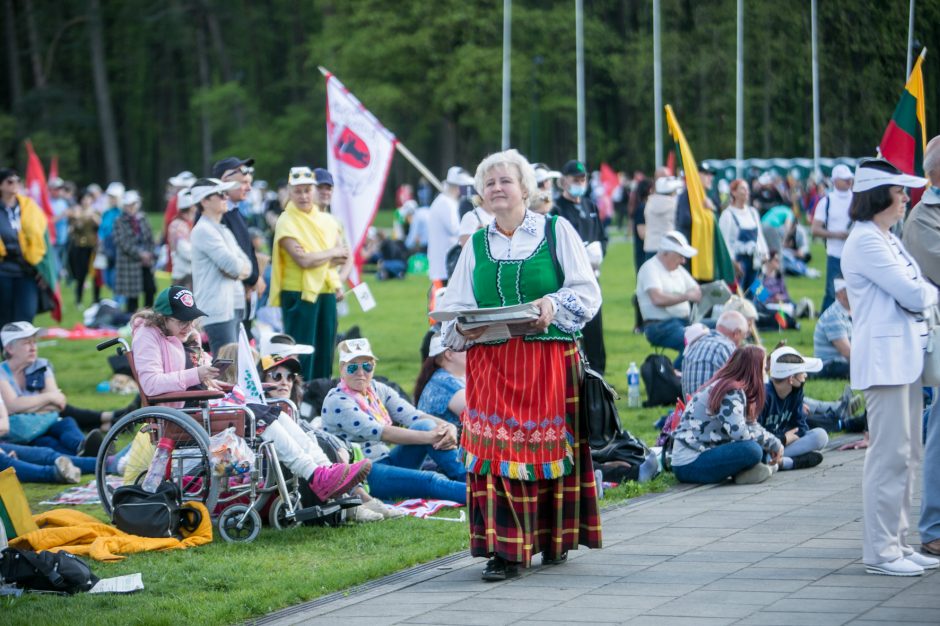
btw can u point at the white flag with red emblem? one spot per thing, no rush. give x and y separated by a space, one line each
359 154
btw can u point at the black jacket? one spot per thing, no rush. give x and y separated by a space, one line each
583 217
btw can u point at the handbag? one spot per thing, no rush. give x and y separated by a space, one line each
931 374
159 514
25 427
598 407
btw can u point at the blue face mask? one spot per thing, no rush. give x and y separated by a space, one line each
576 191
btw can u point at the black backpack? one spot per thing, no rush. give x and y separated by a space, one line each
663 385
58 572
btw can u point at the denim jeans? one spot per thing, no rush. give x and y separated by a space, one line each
65 437
929 526
37 465
19 299
718 463
398 473
833 271
667 334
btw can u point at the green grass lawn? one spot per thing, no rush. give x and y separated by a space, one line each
222 583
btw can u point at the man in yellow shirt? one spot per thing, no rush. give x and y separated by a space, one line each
311 261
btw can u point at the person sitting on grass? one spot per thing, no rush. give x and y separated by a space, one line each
718 434
832 339
39 412
34 464
784 413
441 387
160 360
370 413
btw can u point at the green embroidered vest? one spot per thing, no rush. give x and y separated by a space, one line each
508 282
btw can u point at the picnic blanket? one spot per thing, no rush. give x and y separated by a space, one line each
417 507
81 534
82 494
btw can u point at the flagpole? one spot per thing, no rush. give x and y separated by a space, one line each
910 39
405 152
815 63
739 95
579 62
507 68
657 89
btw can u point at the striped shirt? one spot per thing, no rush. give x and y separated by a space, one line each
835 323
702 359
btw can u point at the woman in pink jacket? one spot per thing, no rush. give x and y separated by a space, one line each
163 367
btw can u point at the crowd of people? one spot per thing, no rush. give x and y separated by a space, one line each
474 432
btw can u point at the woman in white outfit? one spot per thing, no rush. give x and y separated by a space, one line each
888 295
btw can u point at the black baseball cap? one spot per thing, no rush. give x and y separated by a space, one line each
228 164
323 176
177 302
574 168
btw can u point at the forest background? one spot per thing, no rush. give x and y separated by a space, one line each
138 90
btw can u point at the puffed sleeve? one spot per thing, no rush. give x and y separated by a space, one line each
458 297
579 298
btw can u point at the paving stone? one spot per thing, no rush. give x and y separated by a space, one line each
709 608
808 563
720 555
770 584
814 590
584 615
461 617
535 594
689 577
380 608
822 605
544 580
915 600
349 621
902 614
658 620
640 588
779 573
615 601
495 605
752 597
768 618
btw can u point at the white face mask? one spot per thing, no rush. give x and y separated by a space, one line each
576 191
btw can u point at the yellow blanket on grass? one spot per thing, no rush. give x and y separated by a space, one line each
83 535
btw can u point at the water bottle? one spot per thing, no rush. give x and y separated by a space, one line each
157 471
633 386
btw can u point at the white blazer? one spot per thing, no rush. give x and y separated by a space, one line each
886 341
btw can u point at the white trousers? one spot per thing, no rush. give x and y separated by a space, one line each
295 449
894 455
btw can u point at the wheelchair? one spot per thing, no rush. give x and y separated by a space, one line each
236 503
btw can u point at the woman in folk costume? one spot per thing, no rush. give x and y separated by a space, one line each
530 478
311 261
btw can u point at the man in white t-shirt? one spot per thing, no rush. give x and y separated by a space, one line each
472 221
831 222
665 291
444 223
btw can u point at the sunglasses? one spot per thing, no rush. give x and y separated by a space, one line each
352 368
244 169
301 174
279 376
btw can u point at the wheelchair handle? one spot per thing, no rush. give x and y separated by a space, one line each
104 345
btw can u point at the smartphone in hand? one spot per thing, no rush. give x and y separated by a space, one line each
222 365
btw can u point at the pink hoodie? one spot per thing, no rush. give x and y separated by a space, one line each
160 362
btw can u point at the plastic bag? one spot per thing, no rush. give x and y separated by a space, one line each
230 454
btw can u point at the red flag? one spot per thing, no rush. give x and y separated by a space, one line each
54 167
36 187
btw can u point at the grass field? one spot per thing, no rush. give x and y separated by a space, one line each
221 584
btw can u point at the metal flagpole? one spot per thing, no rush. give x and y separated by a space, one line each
739 96
579 62
910 40
815 37
657 88
405 152
507 68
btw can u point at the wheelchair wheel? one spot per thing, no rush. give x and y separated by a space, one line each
129 446
234 529
277 515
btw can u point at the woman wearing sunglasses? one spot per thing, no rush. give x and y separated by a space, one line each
161 362
393 433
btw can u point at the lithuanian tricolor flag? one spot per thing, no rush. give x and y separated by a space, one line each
905 139
712 261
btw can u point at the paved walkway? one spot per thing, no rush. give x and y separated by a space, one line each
784 552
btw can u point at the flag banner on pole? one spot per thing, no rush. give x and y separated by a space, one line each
758 290
364 296
713 262
359 154
248 378
905 139
37 187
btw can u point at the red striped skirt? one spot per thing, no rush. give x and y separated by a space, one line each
515 518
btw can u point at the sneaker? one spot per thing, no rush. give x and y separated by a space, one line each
67 470
337 479
898 567
810 459
361 514
91 443
377 506
927 562
754 475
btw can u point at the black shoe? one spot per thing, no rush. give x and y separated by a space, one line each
810 459
91 443
547 560
498 569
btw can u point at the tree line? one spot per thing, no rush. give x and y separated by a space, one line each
138 90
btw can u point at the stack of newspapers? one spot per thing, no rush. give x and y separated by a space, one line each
500 322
